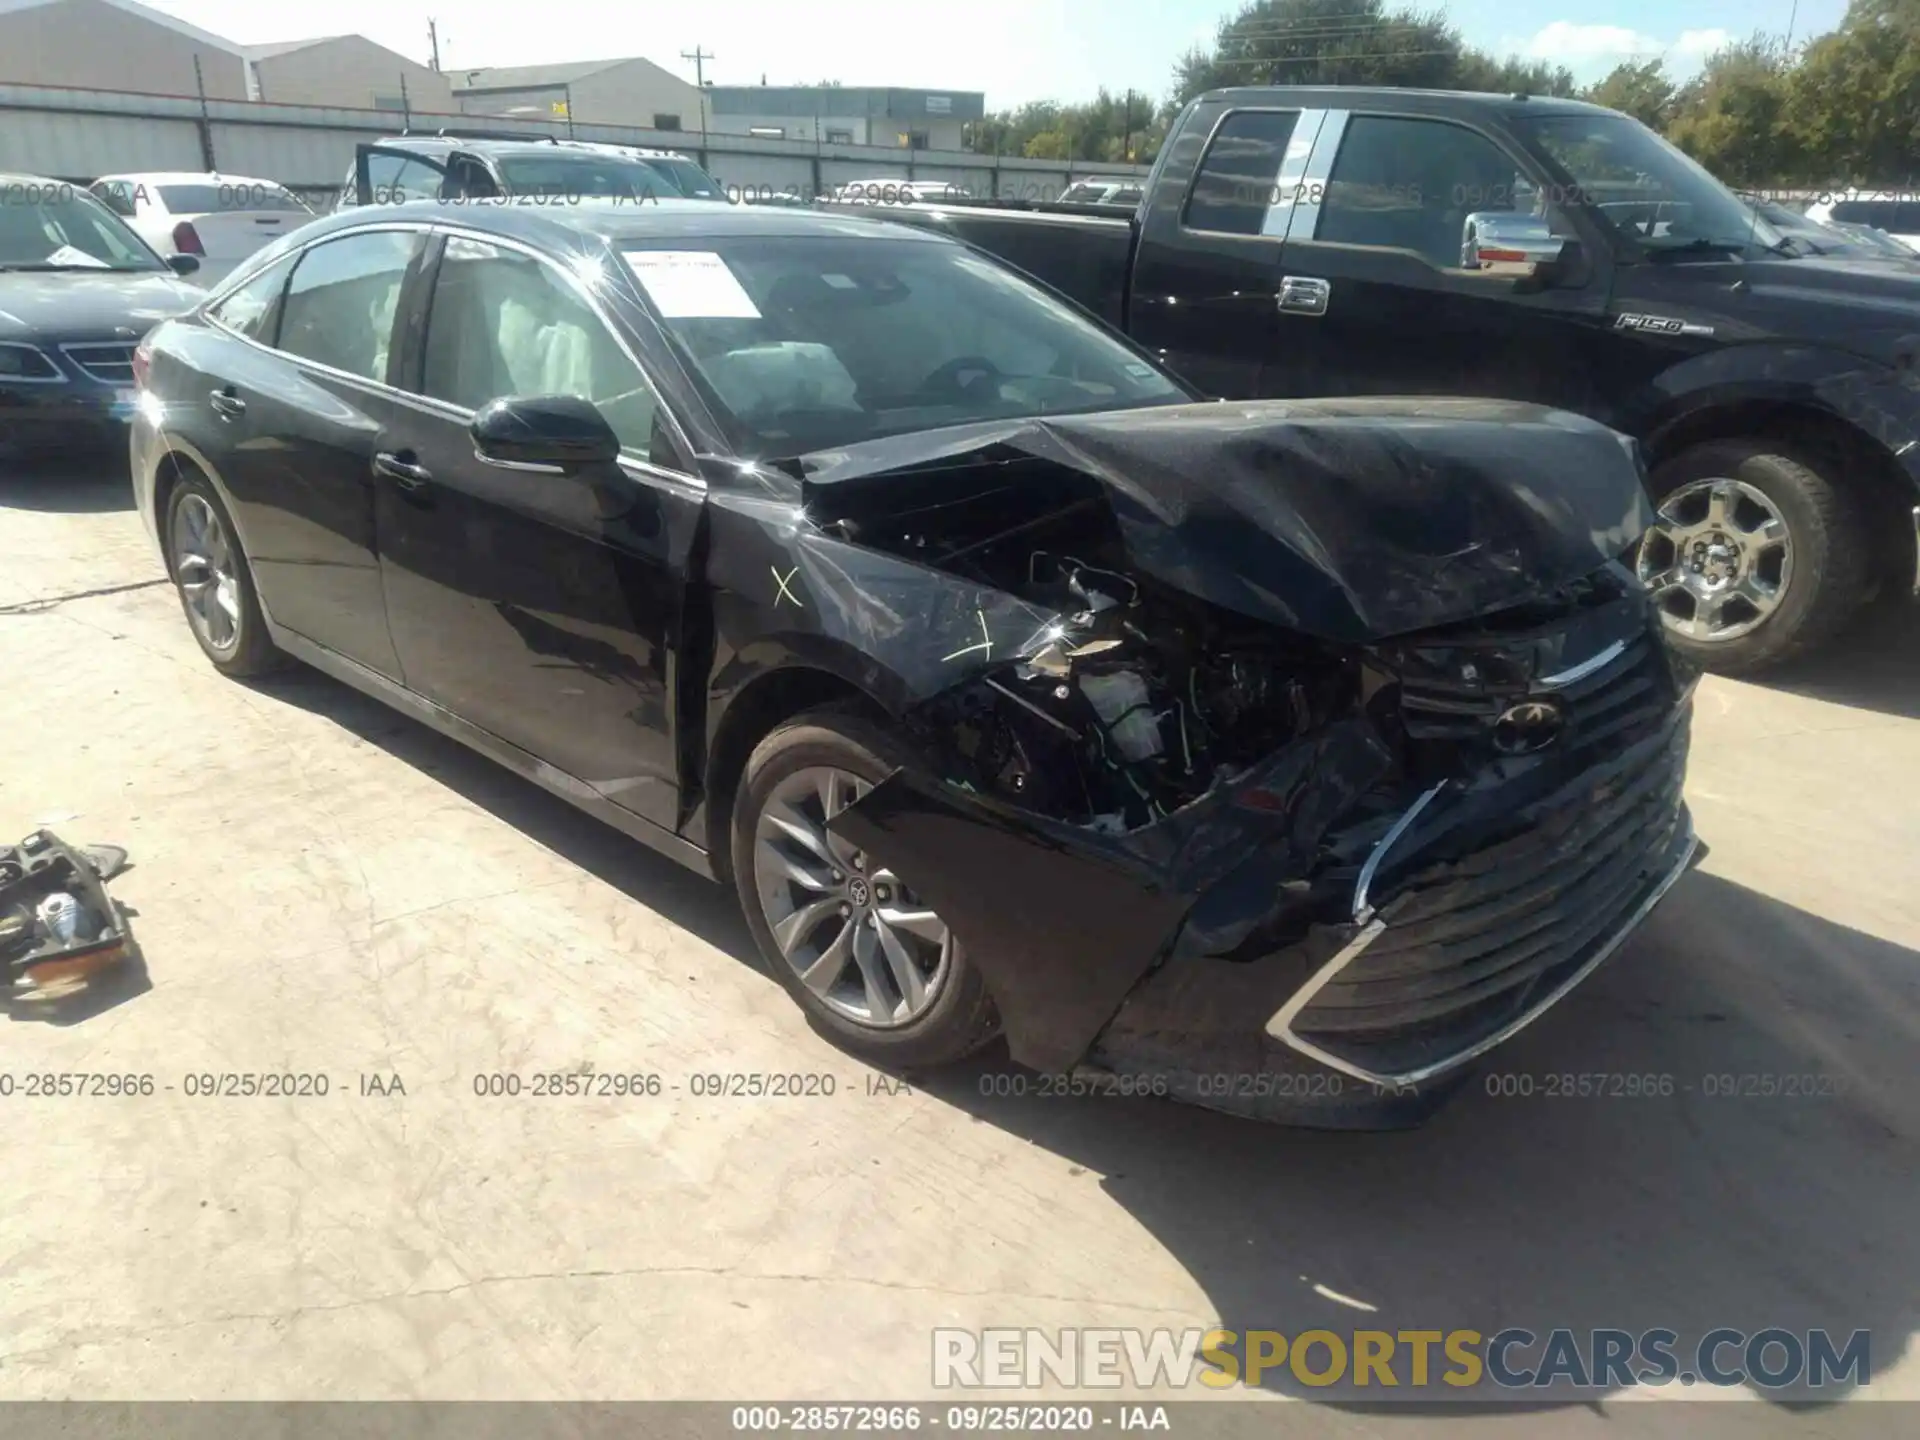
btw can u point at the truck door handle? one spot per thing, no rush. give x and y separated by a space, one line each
402 470
1303 295
227 405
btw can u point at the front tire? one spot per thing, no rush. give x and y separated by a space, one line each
1759 552
872 967
215 583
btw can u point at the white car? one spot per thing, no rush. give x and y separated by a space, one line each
1897 213
222 219
894 191
1102 192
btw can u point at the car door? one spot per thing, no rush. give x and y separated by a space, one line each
301 420
1376 299
387 175
542 607
1207 271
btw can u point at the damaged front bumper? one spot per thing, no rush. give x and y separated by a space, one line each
1287 950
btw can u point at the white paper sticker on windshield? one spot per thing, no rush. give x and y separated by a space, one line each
841 282
691 285
67 255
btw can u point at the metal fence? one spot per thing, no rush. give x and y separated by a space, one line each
80 135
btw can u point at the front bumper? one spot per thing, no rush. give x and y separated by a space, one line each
1421 938
88 407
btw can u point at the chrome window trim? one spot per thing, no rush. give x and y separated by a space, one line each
1305 219
1292 179
445 409
1281 1025
59 376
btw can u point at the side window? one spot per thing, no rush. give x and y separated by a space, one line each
504 324
340 304
1410 185
467 179
254 309
395 179
116 195
1237 175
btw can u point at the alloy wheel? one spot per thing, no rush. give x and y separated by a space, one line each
1718 559
205 569
856 937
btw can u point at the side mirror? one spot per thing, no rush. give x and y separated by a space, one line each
549 434
184 264
1498 242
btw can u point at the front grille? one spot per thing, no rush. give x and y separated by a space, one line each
110 364
1458 696
1472 944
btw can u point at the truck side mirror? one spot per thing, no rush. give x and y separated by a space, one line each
1498 242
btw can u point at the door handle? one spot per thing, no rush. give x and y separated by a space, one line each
402 469
1303 295
227 405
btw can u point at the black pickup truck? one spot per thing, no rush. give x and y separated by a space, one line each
1305 242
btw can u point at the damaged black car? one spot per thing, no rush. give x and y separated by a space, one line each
1283 756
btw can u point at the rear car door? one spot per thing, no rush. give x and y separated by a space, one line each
1373 252
542 607
1207 271
300 424
387 175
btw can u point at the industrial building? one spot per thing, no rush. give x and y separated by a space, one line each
116 45
626 91
846 114
345 70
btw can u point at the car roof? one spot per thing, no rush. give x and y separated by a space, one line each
437 145
617 222
1362 97
190 177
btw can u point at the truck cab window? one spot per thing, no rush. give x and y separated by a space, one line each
1408 184
1235 183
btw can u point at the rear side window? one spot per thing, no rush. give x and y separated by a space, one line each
1238 174
254 309
395 179
340 305
1897 217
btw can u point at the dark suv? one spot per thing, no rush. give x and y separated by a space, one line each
470 165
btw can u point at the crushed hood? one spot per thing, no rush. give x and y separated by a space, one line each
1351 520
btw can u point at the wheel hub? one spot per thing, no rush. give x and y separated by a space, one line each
856 937
1717 559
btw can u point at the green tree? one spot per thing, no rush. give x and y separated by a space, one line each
1853 101
1732 117
1640 90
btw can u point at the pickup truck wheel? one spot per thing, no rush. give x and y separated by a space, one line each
872 966
1755 555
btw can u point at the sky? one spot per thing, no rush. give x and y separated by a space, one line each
1013 50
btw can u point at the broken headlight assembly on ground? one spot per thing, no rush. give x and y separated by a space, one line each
1293 755
59 929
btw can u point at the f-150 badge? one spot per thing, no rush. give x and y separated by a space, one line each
1660 325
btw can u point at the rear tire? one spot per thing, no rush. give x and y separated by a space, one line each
940 1012
211 575
1719 502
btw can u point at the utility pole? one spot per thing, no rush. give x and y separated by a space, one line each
699 56
433 44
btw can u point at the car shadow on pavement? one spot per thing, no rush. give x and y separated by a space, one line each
1724 1202
67 485
1873 666
676 893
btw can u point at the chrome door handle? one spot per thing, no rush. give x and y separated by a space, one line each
227 405
1303 295
397 468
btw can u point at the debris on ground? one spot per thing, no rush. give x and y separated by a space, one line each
59 929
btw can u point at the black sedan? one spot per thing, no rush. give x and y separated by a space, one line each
1281 757
77 290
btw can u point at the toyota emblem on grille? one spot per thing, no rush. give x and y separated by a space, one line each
1529 726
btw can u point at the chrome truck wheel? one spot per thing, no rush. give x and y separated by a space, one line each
1718 559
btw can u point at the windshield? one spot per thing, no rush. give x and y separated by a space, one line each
690 180
1896 217
55 227
812 343
1648 191
582 177
243 195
